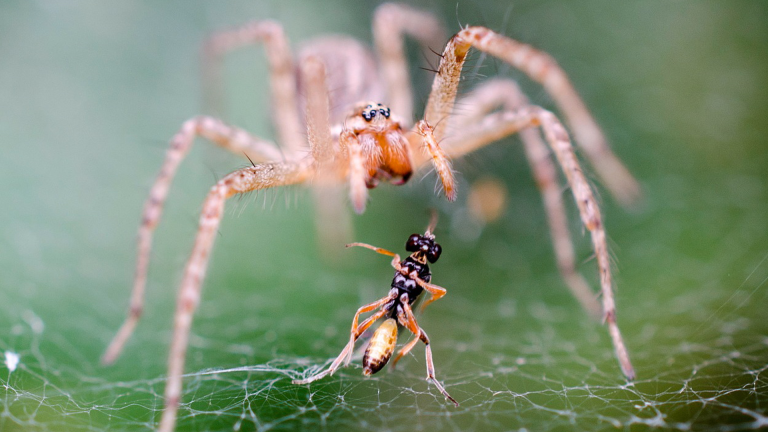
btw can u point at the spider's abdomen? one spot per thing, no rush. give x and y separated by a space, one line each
380 348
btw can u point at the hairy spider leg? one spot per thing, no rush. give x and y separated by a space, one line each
262 176
391 21
228 137
282 75
542 68
407 319
506 94
258 177
498 125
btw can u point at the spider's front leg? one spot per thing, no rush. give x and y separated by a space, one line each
228 137
542 68
262 176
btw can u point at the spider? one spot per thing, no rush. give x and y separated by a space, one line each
412 277
348 136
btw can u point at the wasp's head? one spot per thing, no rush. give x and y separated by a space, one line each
423 246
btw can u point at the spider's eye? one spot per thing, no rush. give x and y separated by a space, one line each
434 253
412 245
368 115
384 112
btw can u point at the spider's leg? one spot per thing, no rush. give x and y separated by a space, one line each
281 68
499 125
407 319
347 351
334 226
231 138
542 68
506 94
391 22
440 161
248 179
318 123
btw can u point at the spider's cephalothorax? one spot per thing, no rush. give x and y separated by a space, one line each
320 143
384 147
412 277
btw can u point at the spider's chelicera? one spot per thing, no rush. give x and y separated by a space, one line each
347 137
412 277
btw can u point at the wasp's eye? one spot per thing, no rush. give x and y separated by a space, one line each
412 245
434 253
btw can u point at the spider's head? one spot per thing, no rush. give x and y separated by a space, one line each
423 246
375 112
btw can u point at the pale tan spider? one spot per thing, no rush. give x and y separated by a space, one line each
346 136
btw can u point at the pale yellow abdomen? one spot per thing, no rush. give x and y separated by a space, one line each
381 347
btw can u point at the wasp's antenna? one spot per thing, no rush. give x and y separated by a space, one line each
432 222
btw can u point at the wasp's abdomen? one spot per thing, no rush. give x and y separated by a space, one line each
381 347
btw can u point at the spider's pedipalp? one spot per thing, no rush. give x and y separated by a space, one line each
358 192
439 159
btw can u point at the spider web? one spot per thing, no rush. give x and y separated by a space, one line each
509 342
526 363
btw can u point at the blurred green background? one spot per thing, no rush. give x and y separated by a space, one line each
90 93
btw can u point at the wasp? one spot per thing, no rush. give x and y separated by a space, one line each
412 278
